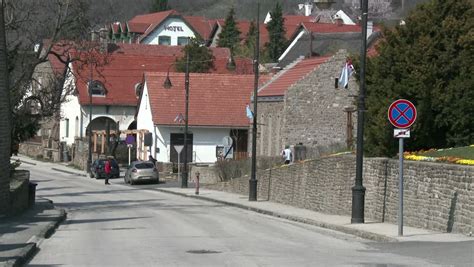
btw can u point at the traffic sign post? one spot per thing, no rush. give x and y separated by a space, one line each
401 114
179 148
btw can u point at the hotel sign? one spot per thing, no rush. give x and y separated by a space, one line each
174 28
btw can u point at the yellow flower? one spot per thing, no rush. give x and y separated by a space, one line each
465 161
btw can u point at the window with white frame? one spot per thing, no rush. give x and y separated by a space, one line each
97 88
183 40
164 40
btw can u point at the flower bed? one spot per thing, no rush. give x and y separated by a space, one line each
418 156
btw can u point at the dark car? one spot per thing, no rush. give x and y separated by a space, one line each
98 169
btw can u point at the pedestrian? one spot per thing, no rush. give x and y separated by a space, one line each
287 155
152 159
108 170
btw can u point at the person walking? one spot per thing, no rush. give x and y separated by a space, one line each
108 170
287 155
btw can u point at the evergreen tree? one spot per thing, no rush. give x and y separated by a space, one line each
251 36
429 62
200 57
276 30
160 5
230 34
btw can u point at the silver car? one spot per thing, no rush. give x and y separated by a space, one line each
140 171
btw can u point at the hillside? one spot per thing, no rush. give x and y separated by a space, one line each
105 11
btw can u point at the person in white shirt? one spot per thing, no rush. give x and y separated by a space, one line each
287 155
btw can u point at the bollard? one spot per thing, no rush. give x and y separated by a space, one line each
197 183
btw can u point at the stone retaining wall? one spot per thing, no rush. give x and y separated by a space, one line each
436 196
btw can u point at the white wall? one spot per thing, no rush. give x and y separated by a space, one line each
172 27
145 119
205 141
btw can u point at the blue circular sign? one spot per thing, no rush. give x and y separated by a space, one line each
402 113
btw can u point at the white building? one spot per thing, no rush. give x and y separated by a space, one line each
217 105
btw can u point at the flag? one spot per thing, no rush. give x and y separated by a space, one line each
249 112
346 72
179 118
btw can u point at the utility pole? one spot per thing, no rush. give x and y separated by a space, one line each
358 191
184 176
253 178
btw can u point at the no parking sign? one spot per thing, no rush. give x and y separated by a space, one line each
401 114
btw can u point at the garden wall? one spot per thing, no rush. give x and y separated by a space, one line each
437 196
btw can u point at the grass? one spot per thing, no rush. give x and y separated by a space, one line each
466 152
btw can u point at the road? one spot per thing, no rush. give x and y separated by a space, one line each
123 225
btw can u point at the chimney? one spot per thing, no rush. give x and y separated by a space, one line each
94 35
103 39
370 28
308 9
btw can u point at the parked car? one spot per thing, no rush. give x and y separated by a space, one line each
139 171
98 169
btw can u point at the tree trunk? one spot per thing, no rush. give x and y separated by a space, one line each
5 122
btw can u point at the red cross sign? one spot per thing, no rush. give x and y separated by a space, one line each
402 113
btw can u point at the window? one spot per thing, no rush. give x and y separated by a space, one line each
97 88
183 40
67 127
164 40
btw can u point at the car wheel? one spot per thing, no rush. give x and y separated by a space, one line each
131 182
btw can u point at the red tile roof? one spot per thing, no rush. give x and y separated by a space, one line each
127 63
202 25
215 100
281 83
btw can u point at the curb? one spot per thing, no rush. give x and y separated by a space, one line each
339 228
33 243
68 172
26 162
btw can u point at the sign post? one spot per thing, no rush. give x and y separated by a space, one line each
179 149
129 140
401 114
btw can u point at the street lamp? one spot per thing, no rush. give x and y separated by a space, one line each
253 179
358 191
167 84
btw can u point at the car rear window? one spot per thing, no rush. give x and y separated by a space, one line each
144 165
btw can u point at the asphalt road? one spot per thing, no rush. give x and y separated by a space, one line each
122 225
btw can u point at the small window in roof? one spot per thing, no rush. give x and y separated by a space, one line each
97 88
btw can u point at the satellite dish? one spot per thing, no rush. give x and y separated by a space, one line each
138 89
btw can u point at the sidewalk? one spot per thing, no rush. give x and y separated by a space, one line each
21 235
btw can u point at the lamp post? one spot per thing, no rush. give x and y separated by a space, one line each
167 84
358 191
253 179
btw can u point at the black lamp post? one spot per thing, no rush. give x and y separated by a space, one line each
167 84
358 191
253 179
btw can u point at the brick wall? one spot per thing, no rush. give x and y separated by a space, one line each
436 196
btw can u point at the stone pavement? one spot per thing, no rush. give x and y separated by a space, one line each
19 236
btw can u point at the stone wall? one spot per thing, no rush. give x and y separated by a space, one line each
436 196
312 112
